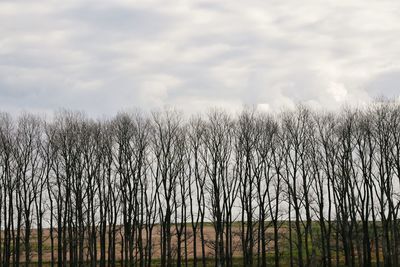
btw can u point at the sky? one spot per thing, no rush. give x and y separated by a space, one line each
102 57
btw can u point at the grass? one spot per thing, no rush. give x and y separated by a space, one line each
283 243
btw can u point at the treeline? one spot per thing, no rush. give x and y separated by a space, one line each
301 187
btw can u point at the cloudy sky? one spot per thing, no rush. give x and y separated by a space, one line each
105 56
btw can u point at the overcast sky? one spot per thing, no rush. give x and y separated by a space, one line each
105 56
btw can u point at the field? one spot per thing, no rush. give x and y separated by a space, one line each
208 234
187 246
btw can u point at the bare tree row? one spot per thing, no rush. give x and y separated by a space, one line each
302 188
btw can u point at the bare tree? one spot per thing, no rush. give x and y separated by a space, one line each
196 184
217 159
168 153
8 186
310 188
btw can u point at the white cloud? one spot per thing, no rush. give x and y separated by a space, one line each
337 91
264 107
102 56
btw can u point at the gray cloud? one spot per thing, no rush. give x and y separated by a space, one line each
386 84
104 56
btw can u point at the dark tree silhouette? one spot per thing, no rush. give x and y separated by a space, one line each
299 188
